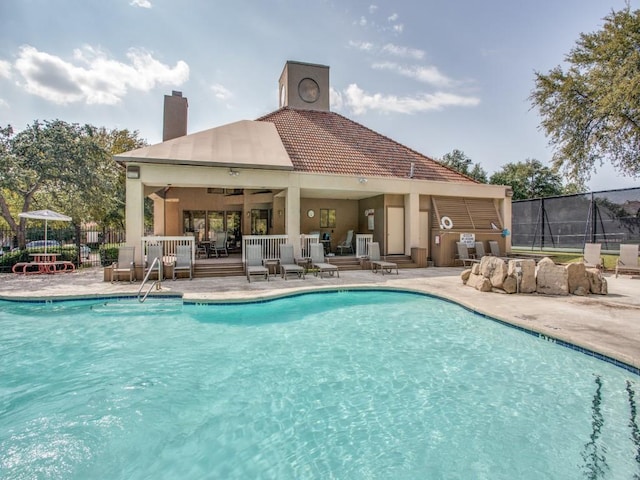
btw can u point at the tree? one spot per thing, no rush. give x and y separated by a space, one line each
529 179
463 164
57 165
114 142
591 111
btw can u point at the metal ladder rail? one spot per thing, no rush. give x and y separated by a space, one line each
156 282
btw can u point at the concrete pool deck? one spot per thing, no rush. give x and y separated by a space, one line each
607 324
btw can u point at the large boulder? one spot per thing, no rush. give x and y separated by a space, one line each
527 274
551 279
495 269
597 283
510 284
465 275
578 282
479 282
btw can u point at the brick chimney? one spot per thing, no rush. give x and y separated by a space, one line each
175 116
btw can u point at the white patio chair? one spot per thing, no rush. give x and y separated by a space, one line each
591 256
347 244
628 259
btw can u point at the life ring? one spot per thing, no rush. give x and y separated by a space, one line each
446 223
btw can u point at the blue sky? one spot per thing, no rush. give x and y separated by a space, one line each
435 75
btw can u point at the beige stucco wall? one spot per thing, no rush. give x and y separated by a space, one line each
187 185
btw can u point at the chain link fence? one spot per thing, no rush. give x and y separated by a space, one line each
609 217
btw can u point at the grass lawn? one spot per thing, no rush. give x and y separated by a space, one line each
568 257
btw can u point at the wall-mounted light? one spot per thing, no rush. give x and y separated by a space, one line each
133 172
279 213
362 180
233 173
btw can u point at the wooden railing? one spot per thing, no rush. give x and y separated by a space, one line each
362 239
306 240
169 245
270 245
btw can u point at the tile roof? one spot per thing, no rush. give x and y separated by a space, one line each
326 142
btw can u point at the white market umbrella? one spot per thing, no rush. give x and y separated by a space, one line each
45 215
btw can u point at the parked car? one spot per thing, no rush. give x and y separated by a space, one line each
41 244
85 252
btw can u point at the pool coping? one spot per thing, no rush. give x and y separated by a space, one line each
194 299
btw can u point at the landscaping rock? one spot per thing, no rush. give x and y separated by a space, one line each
495 269
597 283
551 279
527 274
510 284
479 282
465 275
578 282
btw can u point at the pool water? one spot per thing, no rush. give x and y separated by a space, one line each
348 385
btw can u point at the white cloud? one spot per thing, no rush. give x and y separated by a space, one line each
365 46
360 102
94 78
372 9
400 51
399 27
429 74
335 99
3 103
5 69
141 3
221 92
362 22
393 17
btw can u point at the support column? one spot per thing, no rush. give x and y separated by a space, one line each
411 222
506 219
134 216
292 220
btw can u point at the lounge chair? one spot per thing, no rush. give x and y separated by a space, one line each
183 261
124 265
153 252
288 264
480 250
494 246
254 263
318 262
628 259
347 243
377 263
220 244
463 255
591 256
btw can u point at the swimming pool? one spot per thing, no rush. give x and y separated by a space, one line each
358 385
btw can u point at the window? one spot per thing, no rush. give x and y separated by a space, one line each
327 218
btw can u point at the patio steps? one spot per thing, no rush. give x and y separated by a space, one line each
226 269
234 268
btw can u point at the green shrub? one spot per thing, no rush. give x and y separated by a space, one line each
108 255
